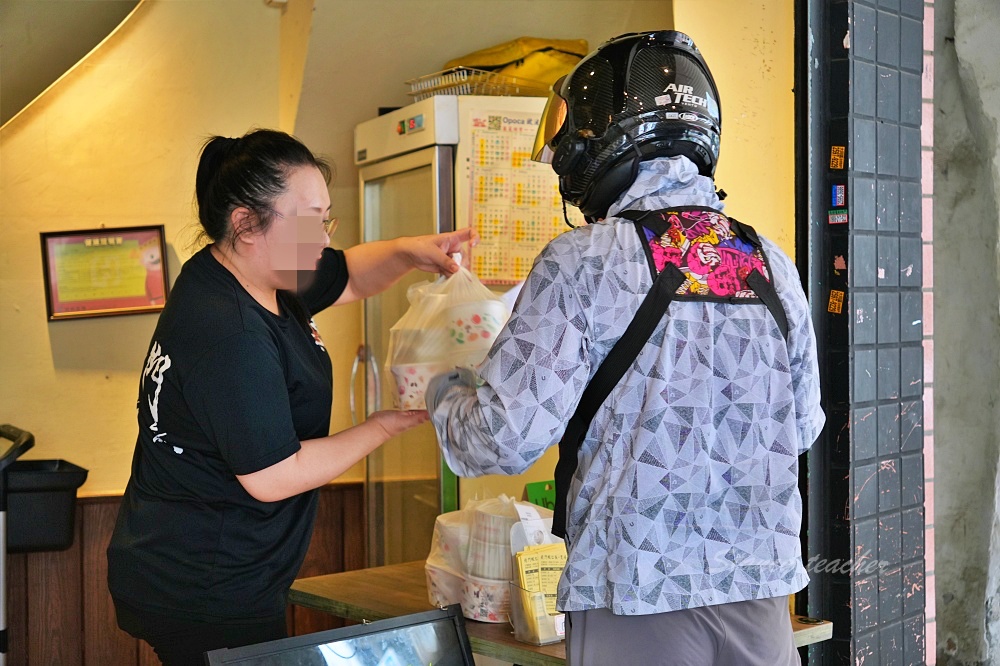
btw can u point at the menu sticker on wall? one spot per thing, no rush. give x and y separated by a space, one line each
837 154
836 303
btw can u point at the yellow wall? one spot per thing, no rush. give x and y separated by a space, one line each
749 47
115 142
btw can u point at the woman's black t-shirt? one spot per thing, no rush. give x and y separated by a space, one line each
228 388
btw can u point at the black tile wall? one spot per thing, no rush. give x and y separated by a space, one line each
888 94
865 88
866 544
912 8
864 148
911 39
890 599
865 435
913 534
913 478
866 603
909 99
888 373
888 149
864 198
865 375
891 645
888 260
864 261
913 641
865 491
911 367
888 39
911 320
888 317
888 205
909 152
890 543
865 314
888 429
875 466
913 588
911 261
911 426
866 648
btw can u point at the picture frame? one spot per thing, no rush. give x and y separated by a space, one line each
103 272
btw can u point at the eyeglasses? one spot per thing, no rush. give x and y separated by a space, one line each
329 225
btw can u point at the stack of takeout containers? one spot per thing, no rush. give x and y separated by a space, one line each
451 323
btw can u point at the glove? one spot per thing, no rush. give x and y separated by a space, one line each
439 386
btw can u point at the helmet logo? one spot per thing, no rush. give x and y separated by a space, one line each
676 94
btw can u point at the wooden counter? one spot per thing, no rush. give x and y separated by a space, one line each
400 589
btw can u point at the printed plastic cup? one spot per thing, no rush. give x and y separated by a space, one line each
475 324
411 382
485 600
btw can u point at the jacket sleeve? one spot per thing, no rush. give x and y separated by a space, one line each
503 418
802 355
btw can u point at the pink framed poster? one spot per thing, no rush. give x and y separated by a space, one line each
101 272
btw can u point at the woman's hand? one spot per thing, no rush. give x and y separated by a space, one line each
432 253
393 422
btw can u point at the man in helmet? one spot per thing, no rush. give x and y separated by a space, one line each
679 500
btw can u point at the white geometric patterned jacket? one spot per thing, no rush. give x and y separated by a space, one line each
686 492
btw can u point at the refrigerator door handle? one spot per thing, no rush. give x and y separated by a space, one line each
376 378
354 377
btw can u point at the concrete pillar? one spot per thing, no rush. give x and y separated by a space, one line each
967 330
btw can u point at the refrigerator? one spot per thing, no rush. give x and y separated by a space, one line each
442 163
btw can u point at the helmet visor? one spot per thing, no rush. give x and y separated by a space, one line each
553 118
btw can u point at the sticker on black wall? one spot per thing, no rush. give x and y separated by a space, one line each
836 303
837 216
838 196
837 154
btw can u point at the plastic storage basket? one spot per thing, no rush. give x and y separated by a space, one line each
471 81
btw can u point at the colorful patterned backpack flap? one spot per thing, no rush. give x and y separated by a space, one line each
721 259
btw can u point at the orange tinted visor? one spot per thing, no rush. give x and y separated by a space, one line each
550 124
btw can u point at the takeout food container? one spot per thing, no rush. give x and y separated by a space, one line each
411 382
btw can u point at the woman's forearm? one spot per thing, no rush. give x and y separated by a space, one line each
374 267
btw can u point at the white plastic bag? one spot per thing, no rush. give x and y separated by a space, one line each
470 556
451 323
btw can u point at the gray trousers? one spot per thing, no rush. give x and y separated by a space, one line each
743 633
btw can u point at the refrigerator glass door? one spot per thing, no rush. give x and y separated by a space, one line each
406 482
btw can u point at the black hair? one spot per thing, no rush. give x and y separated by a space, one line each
251 172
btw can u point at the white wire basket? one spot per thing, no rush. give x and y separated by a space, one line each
470 81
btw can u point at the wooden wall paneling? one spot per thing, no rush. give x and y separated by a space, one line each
354 527
17 609
55 602
325 555
104 642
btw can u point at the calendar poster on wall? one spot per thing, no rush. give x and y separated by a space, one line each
511 201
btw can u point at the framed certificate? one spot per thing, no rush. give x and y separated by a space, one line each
101 272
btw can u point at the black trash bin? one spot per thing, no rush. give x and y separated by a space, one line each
41 504
37 507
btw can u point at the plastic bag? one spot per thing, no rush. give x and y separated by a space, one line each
450 323
535 58
470 557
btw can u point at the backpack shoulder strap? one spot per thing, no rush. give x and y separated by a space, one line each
618 360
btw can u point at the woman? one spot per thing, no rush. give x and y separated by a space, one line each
235 399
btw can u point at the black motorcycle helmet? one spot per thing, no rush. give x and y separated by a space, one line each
637 97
